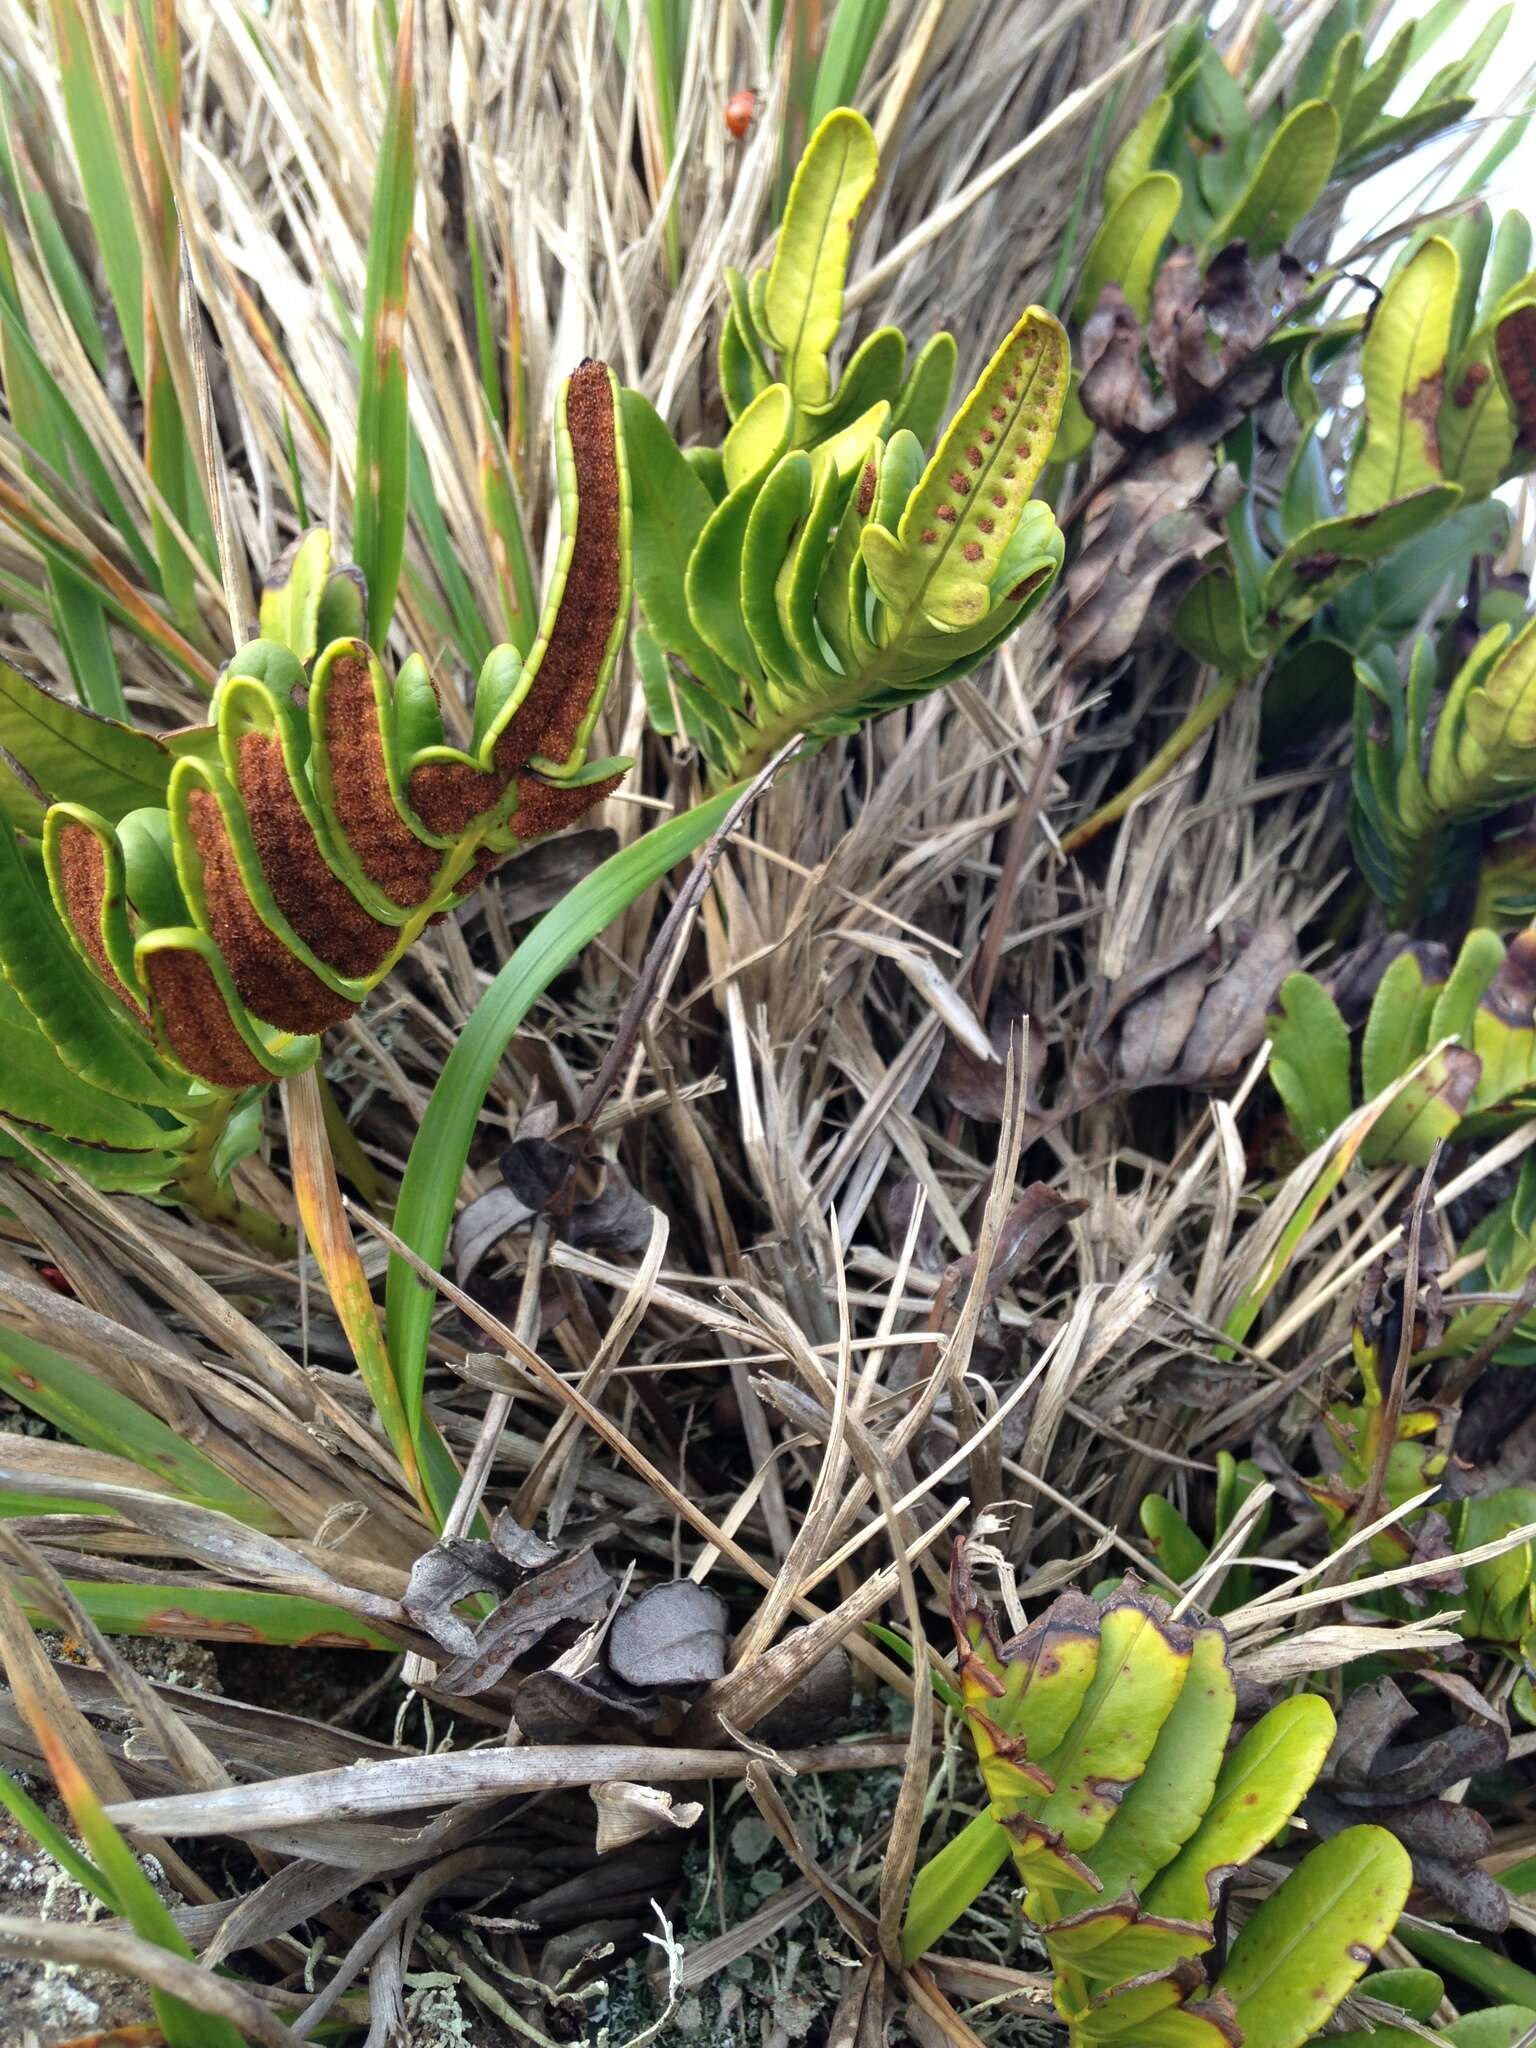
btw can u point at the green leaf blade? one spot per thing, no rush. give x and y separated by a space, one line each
1311 1940
383 426
804 299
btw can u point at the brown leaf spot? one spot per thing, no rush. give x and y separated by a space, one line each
972 551
83 880
273 984
549 718
386 848
1477 376
929 537
973 456
1314 568
198 1026
947 514
866 490
176 1621
986 524
1423 406
1515 338
308 891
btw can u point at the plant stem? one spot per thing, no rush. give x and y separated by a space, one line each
1204 715
197 1188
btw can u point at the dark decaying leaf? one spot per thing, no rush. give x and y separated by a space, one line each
462 1565
977 1087
816 1709
574 1589
1203 335
482 1223
552 1707
1353 979
1195 1021
1234 1014
1116 391
1029 1225
1398 1785
674 1635
591 1203
546 872
1143 540
1154 1027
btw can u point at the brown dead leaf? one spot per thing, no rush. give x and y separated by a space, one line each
1154 1027
1143 540
591 1203
672 1636
1234 1013
574 1589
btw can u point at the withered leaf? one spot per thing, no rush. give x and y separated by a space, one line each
574 1589
546 872
1154 1027
1234 1012
1353 980
552 1707
462 1565
626 1812
1116 392
673 1635
1397 1785
977 1087
1032 1221
1143 539
590 1202
481 1224
816 1709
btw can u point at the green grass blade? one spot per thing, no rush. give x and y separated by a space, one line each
49 239
155 67
485 327
424 1214
383 433
217 1614
1473 1963
952 1880
66 431
54 1842
82 628
509 546
77 615
850 39
137 1899
90 1412
295 474
471 636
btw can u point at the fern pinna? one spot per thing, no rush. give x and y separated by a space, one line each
185 913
